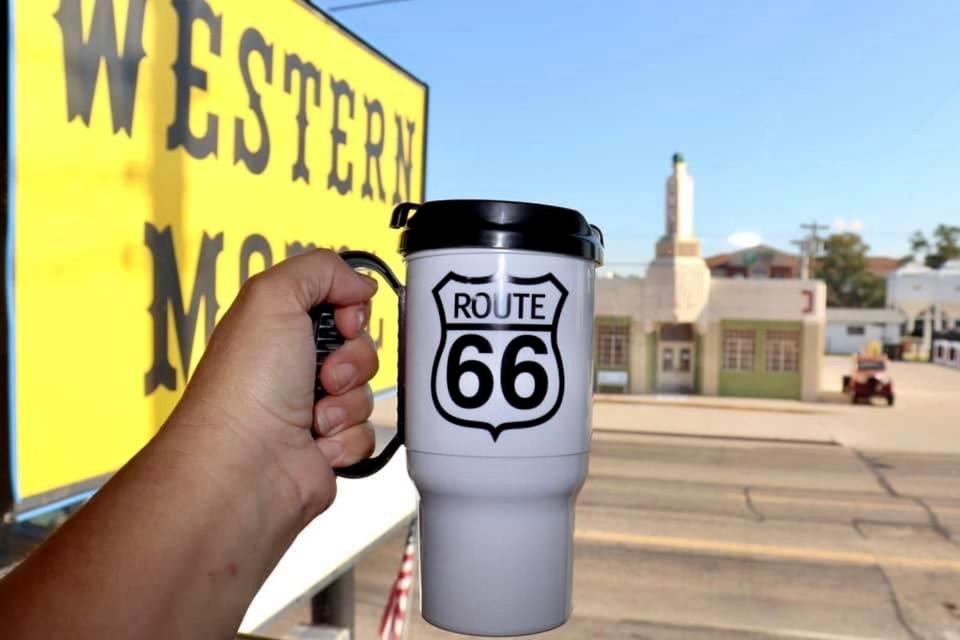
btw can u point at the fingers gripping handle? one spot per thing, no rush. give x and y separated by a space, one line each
327 340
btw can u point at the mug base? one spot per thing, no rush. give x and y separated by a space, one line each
496 541
469 631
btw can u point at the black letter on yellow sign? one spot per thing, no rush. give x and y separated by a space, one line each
374 149
81 60
338 137
189 76
307 72
168 294
256 161
404 160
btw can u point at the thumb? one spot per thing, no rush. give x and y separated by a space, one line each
318 276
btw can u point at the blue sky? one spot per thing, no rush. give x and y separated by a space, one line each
787 112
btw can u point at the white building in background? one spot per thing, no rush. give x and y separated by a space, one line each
850 330
928 296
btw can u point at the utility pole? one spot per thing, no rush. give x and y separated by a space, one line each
810 247
802 248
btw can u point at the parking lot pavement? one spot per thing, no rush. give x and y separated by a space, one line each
925 418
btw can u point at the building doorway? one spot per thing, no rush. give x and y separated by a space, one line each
676 350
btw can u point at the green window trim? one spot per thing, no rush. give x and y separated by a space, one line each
759 382
652 363
612 320
622 323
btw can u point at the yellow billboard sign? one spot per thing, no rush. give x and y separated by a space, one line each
161 152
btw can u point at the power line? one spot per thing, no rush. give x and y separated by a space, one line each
362 5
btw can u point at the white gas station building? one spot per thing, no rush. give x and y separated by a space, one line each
679 330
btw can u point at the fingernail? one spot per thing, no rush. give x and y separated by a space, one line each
362 319
343 375
374 285
331 449
329 419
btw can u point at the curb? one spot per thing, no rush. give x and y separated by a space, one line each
654 401
816 442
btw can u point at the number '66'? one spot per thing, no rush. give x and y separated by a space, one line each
510 370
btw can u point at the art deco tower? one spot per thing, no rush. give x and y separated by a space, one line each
678 280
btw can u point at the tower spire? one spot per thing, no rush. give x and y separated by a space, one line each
679 201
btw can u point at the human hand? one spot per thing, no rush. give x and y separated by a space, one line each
207 508
254 384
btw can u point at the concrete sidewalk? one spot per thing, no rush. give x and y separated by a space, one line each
711 417
930 425
716 402
925 419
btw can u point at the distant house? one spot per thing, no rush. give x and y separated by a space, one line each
763 261
883 266
760 261
850 330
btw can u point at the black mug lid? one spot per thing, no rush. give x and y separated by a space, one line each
496 224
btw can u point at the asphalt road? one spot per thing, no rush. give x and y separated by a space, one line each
723 538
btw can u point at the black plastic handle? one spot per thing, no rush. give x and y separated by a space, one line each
327 339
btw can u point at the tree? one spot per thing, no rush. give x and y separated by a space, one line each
918 243
844 269
943 245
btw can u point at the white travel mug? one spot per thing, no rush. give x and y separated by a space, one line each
494 403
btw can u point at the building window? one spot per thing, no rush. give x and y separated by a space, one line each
738 349
613 341
783 351
666 364
780 271
856 330
684 364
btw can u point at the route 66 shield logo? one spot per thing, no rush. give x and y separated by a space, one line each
498 365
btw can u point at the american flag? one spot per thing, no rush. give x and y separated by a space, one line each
392 623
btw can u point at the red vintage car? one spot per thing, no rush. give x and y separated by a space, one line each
868 378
